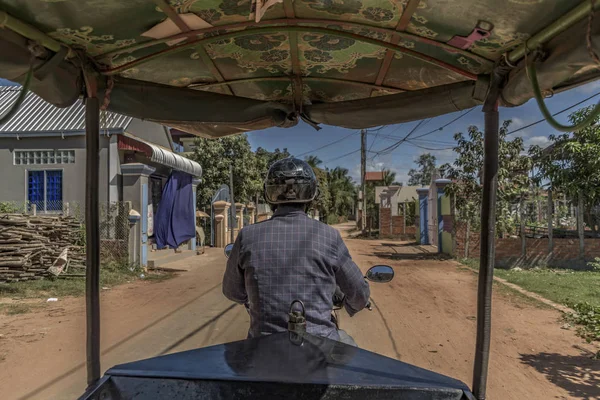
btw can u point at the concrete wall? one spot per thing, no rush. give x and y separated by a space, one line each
13 185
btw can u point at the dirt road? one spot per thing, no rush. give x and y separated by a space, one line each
424 317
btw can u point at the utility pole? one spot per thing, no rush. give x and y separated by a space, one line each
363 173
232 208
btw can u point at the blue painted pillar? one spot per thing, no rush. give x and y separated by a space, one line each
423 230
195 183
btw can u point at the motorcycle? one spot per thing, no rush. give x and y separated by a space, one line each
291 365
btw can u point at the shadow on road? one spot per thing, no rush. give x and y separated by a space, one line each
389 331
56 379
579 375
197 330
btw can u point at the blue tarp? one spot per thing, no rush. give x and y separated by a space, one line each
175 220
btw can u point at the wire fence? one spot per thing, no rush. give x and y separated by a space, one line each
114 223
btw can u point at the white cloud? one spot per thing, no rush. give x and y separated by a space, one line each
517 123
537 140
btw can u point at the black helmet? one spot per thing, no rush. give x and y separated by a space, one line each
290 181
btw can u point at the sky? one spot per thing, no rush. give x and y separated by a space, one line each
303 138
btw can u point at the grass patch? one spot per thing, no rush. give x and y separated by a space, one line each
561 286
579 290
110 276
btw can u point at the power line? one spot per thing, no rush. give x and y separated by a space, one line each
394 146
327 145
445 125
428 148
376 135
555 114
342 156
416 138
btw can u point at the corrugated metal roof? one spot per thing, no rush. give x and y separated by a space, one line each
36 115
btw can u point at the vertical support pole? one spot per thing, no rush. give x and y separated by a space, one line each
92 232
232 209
549 215
363 177
580 227
486 259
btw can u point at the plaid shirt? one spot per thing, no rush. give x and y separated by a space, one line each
292 257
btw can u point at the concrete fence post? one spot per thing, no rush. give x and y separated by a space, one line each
422 211
221 218
580 227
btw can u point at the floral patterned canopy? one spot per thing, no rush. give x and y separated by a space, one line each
297 53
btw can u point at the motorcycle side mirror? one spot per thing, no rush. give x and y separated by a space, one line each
228 249
380 273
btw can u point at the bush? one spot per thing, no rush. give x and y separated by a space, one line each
587 317
8 208
595 265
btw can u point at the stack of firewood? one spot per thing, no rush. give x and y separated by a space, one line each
30 245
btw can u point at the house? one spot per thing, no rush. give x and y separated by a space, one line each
43 156
395 196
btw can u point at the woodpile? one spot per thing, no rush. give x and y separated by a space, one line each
30 245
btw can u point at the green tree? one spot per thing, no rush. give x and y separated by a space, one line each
389 177
215 156
342 192
425 170
264 159
467 174
313 161
571 164
323 201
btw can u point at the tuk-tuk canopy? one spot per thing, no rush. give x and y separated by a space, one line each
218 67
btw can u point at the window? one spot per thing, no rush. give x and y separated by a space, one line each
44 157
44 189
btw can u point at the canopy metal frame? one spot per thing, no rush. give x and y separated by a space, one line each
294 26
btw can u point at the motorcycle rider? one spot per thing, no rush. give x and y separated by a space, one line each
292 257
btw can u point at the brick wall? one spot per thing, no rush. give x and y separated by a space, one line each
385 215
398 226
394 225
565 253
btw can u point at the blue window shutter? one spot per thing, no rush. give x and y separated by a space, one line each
54 190
35 189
